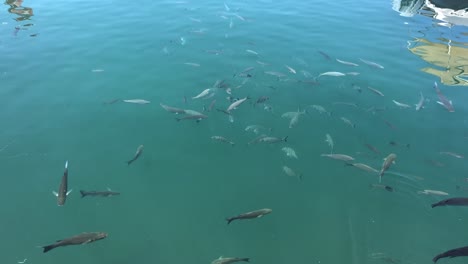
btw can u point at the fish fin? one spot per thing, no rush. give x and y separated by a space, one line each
55 193
69 192
439 102
58 240
48 248
83 194
109 189
66 164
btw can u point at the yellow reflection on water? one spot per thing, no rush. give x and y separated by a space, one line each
450 62
16 7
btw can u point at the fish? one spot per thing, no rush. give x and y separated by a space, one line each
345 103
433 192
388 161
375 91
295 119
290 152
202 94
347 63
63 191
137 154
107 193
402 105
363 167
137 101
83 238
342 157
291 70
261 99
320 109
457 252
226 7
291 173
239 17
262 63
249 215
352 73
271 140
245 71
396 144
348 122
443 100
332 73
329 140
420 104
222 139
455 155
197 118
256 128
171 109
372 148
381 186
222 260
372 64
257 139
236 104
460 201
277 74
193 64
252 52
324 55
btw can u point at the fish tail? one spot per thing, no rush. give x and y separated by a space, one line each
348 164
66 164
129 162
229 220
434 205
83 194
246 259
178 119
48 248
285 139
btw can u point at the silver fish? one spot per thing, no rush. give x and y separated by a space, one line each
347 63
364 167
348 122
291 173
420 104
329 140
136 101
402 105
375 91
222 260
222 139
433 192
342 157
202 94
388 161
291 70
335 74
289 152
272 140
373 64
236 104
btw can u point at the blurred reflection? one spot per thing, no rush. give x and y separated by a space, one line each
23 13
448 57
454 12
451 61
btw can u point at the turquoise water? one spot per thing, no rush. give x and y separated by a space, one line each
58 75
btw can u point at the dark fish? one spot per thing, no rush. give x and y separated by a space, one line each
98 193
137 154
396 144
452 201
84 238
372 148
261 99
249 215
324 55
457 252
63 189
